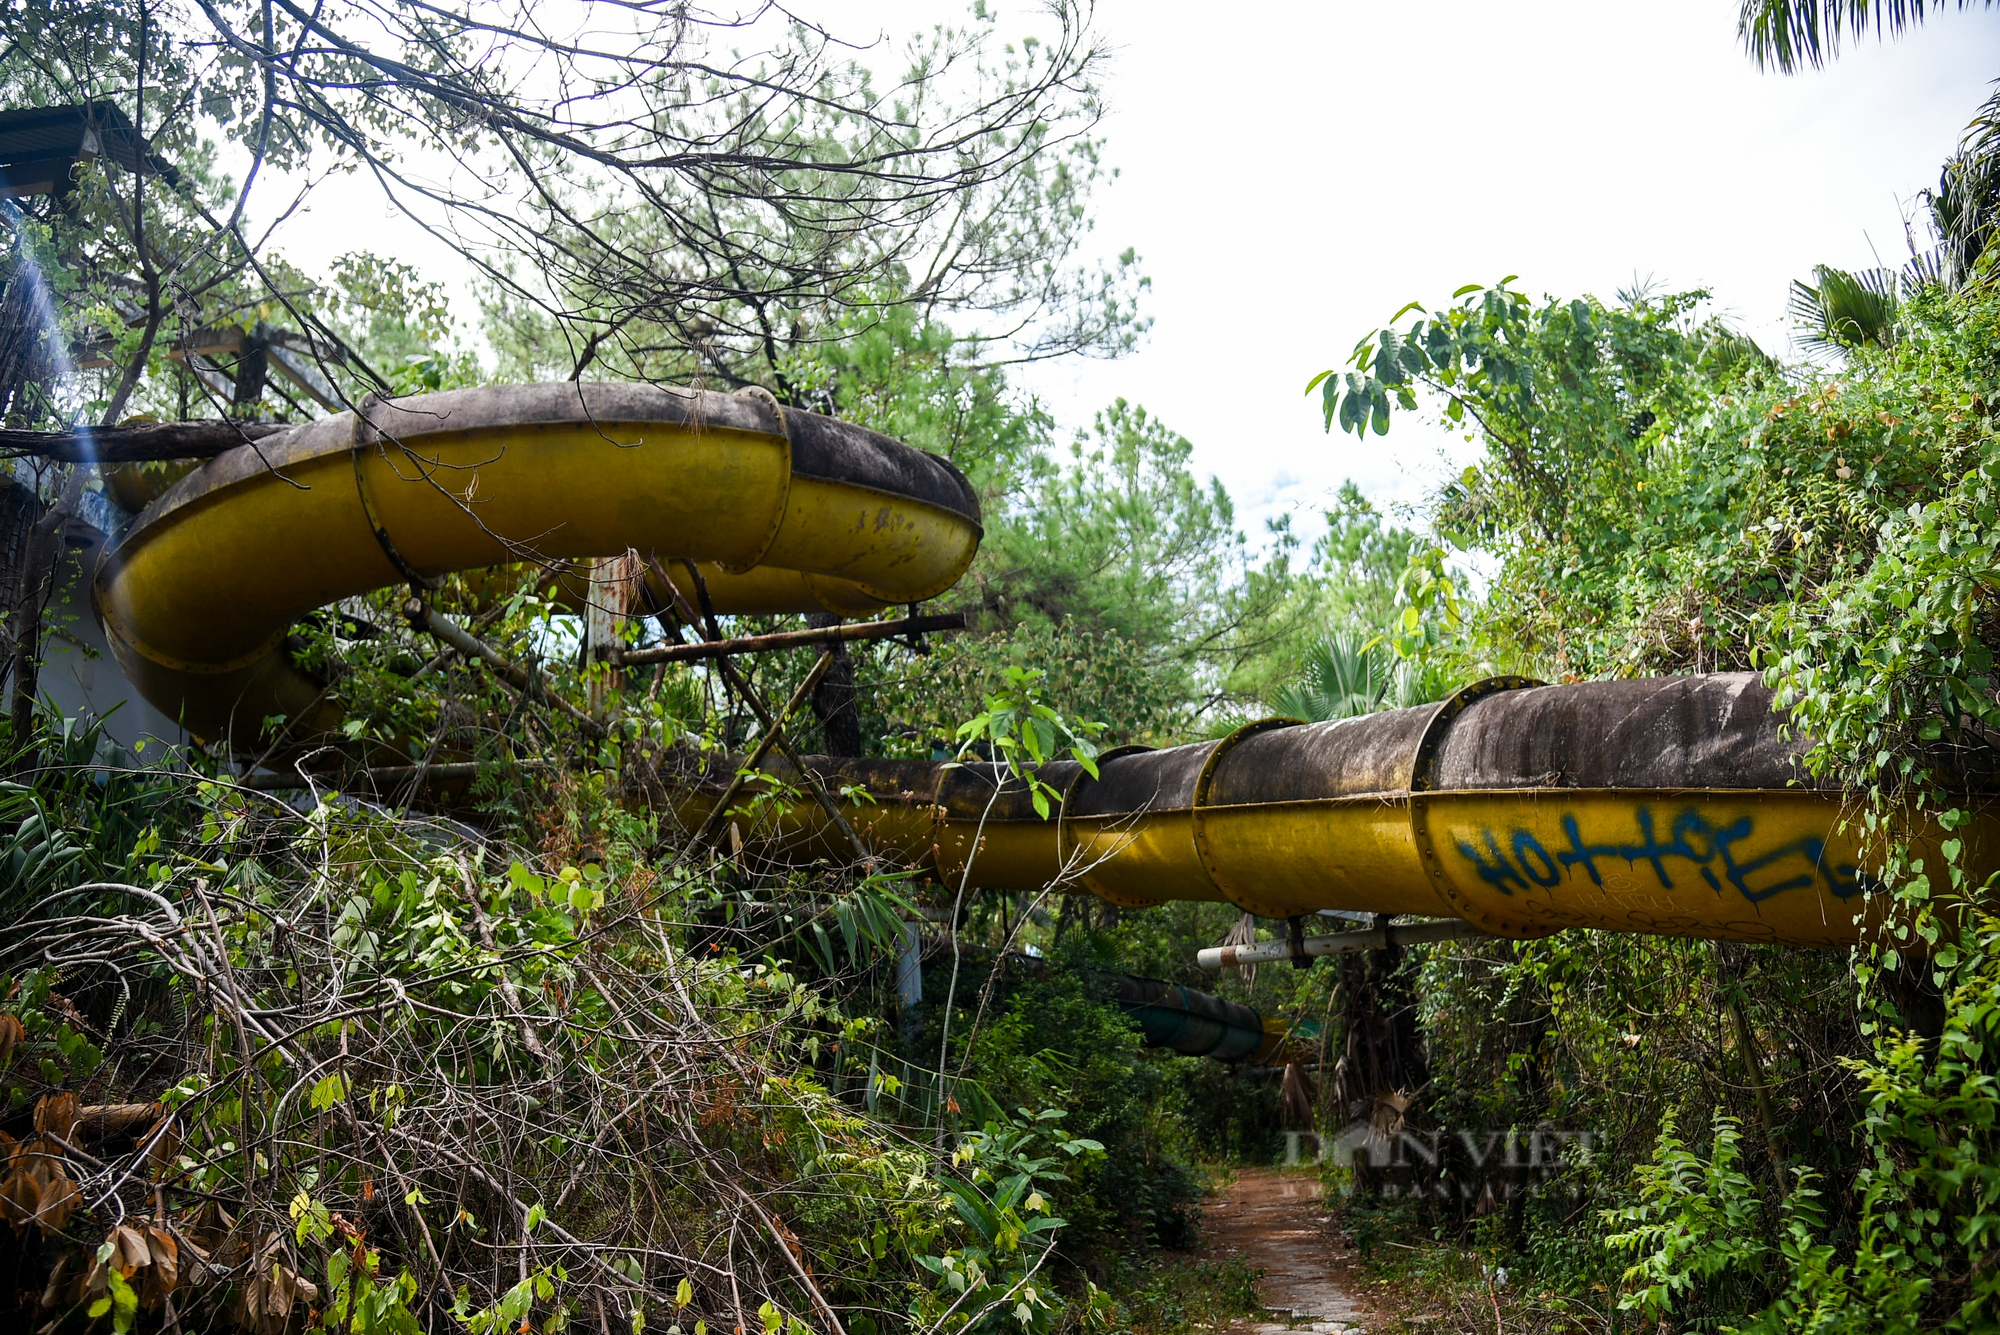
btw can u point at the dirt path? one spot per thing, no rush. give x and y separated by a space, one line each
1275 1221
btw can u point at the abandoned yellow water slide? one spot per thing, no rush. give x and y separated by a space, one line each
1671 806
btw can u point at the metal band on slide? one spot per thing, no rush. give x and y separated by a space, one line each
1423 780
1202 784
1066 841
1423 765
363 428
784 439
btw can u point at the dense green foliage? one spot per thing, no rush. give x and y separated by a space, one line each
510 1054
1058 1036
1662 497
344 1070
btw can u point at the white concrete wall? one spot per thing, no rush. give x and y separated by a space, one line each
79 675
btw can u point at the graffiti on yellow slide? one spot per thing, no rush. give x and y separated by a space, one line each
1693 850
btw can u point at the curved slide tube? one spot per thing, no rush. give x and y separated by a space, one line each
1669 806
1672 806
786 511
1198 1024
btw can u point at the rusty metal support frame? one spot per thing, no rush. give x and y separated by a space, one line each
773 726
791 639
720 812
1296 947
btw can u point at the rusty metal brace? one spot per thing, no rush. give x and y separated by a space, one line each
755 759
910 628
756 703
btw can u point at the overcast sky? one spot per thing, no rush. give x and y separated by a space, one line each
1292 174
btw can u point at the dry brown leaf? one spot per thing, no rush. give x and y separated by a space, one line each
12 1035
57 1114
20 1199
69 1282
36 1188
146 1256
59 1198
266 1298
129 1251
163 1276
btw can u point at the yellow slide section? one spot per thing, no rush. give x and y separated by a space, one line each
1671 806
790 512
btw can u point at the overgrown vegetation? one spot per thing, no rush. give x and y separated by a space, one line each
512 1052
1781 1140
269 1055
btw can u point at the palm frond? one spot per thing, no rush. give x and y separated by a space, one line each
1296 701
1966 205
1843 311
1340 678
1792 35
1344 677
1725 349
1932 268
1414 683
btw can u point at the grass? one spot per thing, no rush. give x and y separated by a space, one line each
1179 1295
1427 1285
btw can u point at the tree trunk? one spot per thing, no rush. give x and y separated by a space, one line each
18 511
1382 1069
27 372
36 575
27 364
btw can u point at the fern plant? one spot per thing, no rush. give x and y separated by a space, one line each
1346 675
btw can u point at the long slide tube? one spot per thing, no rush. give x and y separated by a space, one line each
1197 1024
1674 805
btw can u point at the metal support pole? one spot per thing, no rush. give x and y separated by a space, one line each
757 705
793 639
1299 949
771 736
